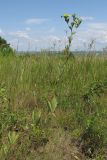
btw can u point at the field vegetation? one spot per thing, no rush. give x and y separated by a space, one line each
50 109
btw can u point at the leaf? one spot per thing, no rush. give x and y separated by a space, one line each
36 116
54 115
70 39
67 17
12 137
54 103
5 148
49 106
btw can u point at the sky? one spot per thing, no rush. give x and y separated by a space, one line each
34 25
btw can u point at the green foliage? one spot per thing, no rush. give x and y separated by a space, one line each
4 150
97 88
66 17
5 48
28 81
52 105
92 139
72 24
36 117
3 95
2 42
12 137
6 147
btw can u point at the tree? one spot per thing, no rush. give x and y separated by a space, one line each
5 48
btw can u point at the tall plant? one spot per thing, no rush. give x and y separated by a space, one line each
73 22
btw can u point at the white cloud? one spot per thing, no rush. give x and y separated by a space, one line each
53 38
23 44
19 34
22 35
39 39
36 20
22 40
98 31
101 26
92 31
1 32
85 18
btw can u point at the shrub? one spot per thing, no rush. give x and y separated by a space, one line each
5 48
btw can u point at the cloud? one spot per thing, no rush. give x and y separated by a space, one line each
22 35
101 26
1 32
36 20
22 40
98 31
46 39
85 18
81 39
19 34
91 31
53 38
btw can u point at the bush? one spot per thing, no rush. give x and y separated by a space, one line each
5 48
92 139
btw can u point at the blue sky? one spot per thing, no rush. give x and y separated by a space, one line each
32 24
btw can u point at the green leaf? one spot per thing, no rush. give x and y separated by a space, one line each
66 17
36 116
12 137
52 105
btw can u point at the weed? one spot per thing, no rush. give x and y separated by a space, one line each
97 88
72 24
52 105
92 139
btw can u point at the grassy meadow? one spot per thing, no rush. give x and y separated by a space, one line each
51 108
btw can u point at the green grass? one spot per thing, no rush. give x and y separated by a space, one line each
28 127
